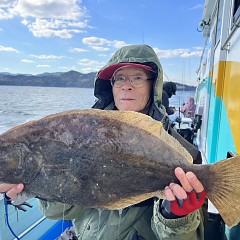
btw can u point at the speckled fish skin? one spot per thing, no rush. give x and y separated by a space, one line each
82 158
95 158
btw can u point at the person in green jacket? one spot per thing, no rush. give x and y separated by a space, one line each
132 81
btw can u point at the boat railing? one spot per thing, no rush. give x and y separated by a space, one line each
29 229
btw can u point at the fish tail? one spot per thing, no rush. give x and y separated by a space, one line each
225 192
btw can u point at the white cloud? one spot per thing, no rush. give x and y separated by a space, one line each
198 48
55 9
197 7
95 41
60 18
102 55
88 65
5 14
47 56
79 50
6 7
50 28
63 68
1 29
102 44
118 44
8 49
87 62
99 49
172 53
27 61
191 54
83 24
6 3
43 66
25 22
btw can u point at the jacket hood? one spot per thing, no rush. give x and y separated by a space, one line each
142 54
170 88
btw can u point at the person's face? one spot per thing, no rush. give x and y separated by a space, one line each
129 98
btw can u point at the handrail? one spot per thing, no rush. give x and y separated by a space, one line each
201 59
31 227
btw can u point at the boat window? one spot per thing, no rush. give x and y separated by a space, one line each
217 22
236 10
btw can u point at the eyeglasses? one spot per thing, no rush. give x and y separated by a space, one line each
135 81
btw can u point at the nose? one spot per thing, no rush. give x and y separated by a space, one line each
127 84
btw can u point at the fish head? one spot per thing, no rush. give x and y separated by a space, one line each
12 161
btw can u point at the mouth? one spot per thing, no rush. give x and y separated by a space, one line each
127 99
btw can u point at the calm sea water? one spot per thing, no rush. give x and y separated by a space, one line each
21 104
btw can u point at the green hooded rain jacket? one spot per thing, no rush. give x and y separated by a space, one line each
142 221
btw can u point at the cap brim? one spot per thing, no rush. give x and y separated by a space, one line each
106 73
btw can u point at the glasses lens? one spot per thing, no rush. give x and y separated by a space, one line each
135 80
117 81
138 81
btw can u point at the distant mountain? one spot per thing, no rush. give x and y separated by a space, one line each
11 74
184 87
47 73
66 79
59 79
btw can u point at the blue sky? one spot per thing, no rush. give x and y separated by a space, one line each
61 35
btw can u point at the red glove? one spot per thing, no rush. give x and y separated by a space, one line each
181 207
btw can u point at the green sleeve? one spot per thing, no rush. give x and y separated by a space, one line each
189 227
56 210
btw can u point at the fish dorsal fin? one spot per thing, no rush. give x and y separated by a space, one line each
145 123
126 202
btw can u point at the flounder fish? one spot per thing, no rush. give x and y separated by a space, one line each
108 159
